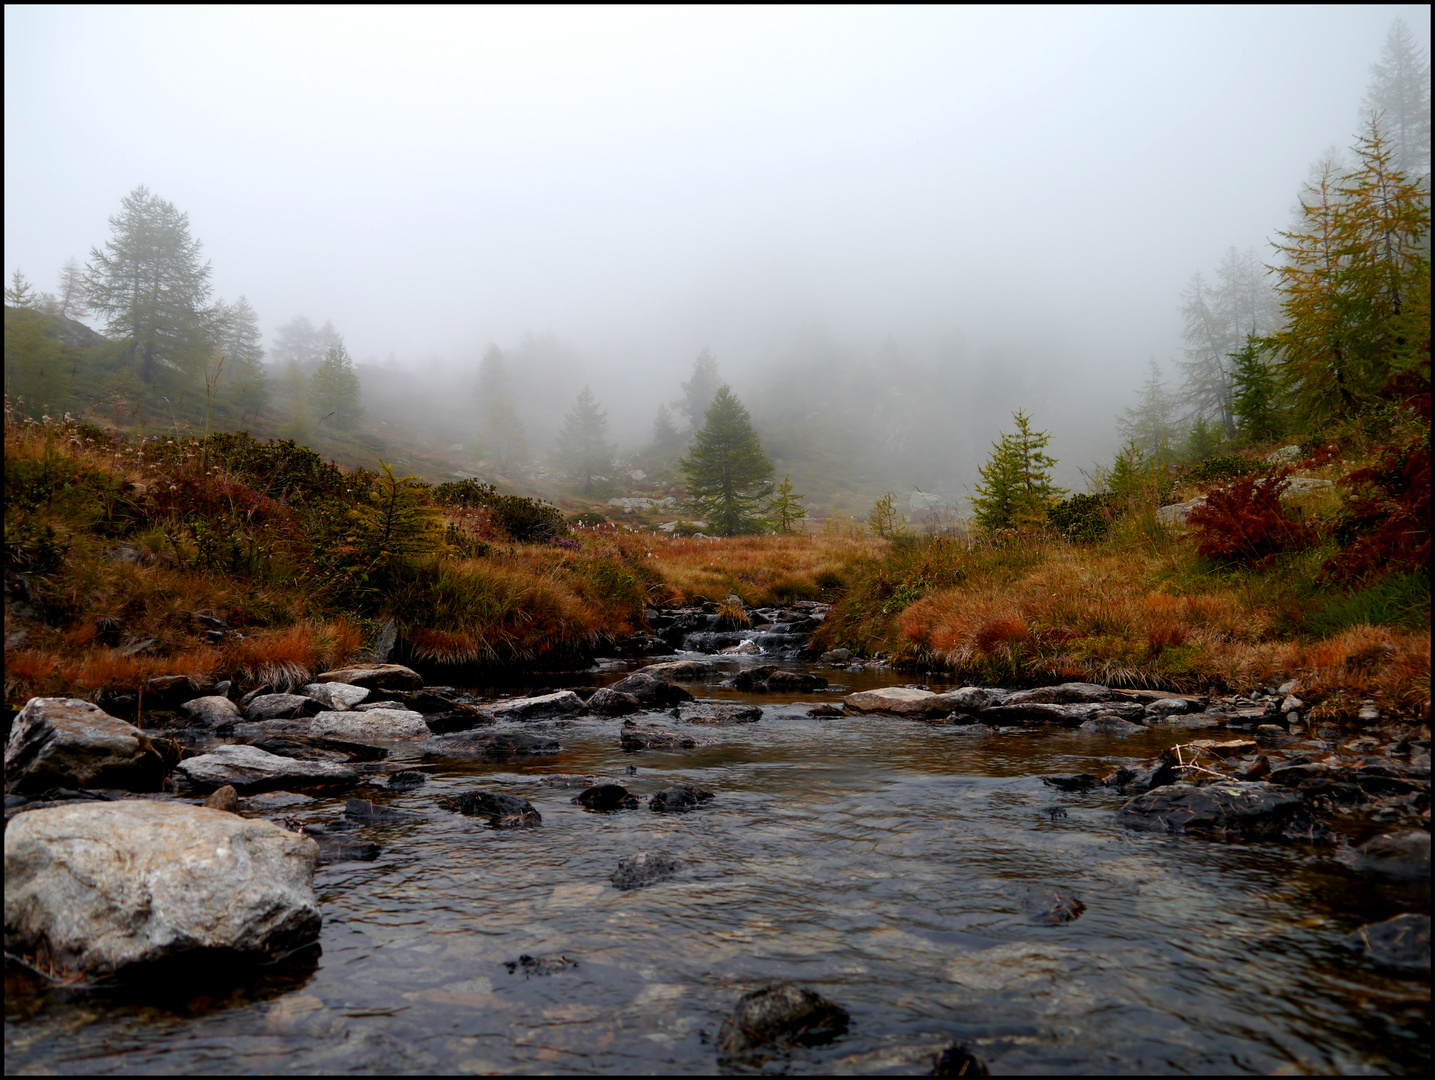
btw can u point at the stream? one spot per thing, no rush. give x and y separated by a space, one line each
881 862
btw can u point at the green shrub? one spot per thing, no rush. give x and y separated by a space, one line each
1225 467
1082 519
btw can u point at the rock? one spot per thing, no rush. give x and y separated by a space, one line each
539 965
339 847
475 746
1077 782
502 811
679 797
318 748
336 695
224 798
680 669
1177 513
651 691
959 1060
375 677
570 780
66 742
1159 710
825 711
458 718
609 702
836 656
605 797
407 780
1036 712
1291 703
1046 906
373 724
769 679
900 701
248 768
1224 808
1224 748
267 801
173 690
645 868
636 738
370 706
1286 455
780 1014
212 711
708 712
1400 945
1111 725
281 707
1130 780
975 698
1401 856
428 701
561 703
368 812
1194 702
97 888
1073 693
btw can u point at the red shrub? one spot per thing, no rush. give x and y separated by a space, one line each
1243 522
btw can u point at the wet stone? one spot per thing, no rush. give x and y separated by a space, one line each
502 811
1224 808
645 868
679 797
959 1060
337 847
1400 856
1075 782
407 780
708 712
1400 945
539 965
633 737
475 746
570 780
606 797
368 812
1046 906
779 1015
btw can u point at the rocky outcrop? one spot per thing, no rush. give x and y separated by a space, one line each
375 677
66 742
212 711
248 768
610 702
97 889
1072 693
281 707
780 1014
901 701
650 690
633 737
769 679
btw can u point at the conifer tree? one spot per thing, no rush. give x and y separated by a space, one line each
240 338
1255 401
501 436
1399 98
150 287
583 447
19 292
1015 487
334 390
699 390
786 509
1149 425
71 292
882 518
728 475
665 432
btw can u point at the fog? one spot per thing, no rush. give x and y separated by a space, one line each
998 206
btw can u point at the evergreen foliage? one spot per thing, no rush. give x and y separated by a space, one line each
699 390
583 447
150 287
240 338
19 292
334 390
501 436
1203 439
728 475
1015 488
1082 519
882 518
786 508
71 290
1399 98
665 432
1149 425
1256 388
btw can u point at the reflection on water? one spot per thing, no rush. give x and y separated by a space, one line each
879 861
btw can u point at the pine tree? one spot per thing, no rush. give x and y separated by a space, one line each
19 293
334 390
150 287
728 474
240 338
1015 487
299 342
501 437
1255 402
583 447
786 509
699 390
1399 98
71 294
1203 440
665 432
1149 425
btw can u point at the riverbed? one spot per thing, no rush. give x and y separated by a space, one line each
884 863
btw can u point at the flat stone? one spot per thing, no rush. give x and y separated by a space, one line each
336 695
212 710
249 768
1111 725
96 888
281 707
1400 945
502 811
1072 693
486 746
680 669
372 724
651 690
1400 856
679 797
376 677
900 701
67 742
645 868
708 712
1223 808
561 703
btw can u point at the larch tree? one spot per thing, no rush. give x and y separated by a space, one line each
583 447
240 338
501 437
1399 98
786 509
150 286
70 290
301 343
334 391
1015 488
19 292
1150 424
729 477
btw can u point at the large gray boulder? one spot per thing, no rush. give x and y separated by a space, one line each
651 690
375 677
213 710
902 701
1402 856
66 742
370 724
92 889
562 703
281 707
248 768
336 695
1072 693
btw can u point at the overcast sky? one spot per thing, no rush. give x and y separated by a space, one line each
644 182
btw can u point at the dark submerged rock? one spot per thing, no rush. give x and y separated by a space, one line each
368 812
633 737
570 780
679 797
1046 906
1224 808
651 690
474 746
407 780
958 1060
1400 945
780 1014
710 712
770 679
1076 782
645 868
502 811
1400 856
282 707
337 847
539 965
605 797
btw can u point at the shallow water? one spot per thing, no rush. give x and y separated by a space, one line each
878 861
